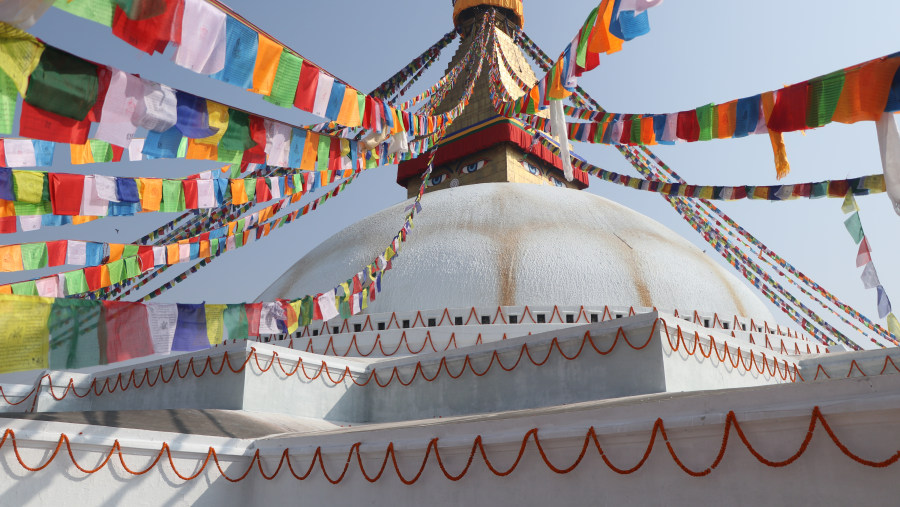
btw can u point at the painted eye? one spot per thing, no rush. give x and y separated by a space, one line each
471 168
532 169
437 179
557 182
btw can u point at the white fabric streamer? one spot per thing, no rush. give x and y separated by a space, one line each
889 144
558 122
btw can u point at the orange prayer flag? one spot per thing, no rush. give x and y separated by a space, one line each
556 90
648 136
238 192
81 153
104 276
172 254
727 114
151 193
310 150
200 151
11 258
601 41
115 251
7 208
768 104
268 53
865 91
349 112
204 249
80 219
6 289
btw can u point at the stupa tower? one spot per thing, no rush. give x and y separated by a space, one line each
479 135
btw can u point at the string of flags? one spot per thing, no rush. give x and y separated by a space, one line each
212 40
869 276
390 87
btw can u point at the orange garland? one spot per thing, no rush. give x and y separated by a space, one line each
591 437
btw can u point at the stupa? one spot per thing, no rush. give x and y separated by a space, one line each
537 345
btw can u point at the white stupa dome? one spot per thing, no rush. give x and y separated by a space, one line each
508 244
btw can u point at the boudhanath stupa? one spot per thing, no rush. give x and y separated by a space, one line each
528 343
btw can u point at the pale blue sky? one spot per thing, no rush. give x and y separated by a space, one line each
698 51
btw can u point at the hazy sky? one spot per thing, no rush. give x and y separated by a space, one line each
698 51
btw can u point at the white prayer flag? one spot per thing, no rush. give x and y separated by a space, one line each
76 253
105 188
870 276
30 222
327 306
135 147
122 98
202 47
162 319
158 108
19 153
206 194
323 93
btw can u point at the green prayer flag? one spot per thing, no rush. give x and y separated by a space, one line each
182 148
132 267
8 94
101 151
286 78
100 11
34 255
706 116
213 246
854 227
824 93
819 189
636 131
250 188
236 322
27 208
28 288
116 271
74 339
306 311
172 196
323 153
230 156
63 84
237 135
130 250
76 283
581 52
238 240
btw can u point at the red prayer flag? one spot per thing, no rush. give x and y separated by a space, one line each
152 34
145 257
65 193
263 193
35 123
864 255
688 128
254 310
305 98
334 154
789 113
103 76
127 332
93 276
56 252
191 194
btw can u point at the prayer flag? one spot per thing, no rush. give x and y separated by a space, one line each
308 83
127 333
35 123
119 105
884 304
323 94
190 332
284 85
240 54
24 336
20 53
204 50
162 319
870 277
268 54
158 109
152 34
854 227
215 323
193 117
63 84
864 255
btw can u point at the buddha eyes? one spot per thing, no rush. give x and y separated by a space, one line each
471 168
557 182
532 169
438 179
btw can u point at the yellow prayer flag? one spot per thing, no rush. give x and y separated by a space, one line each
293 323
20 53
151 193
11 258
893 325
215 323
29 186
218 118
268 53
81 219
849 204
24 336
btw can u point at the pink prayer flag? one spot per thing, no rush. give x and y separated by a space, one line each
206 194
48 287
